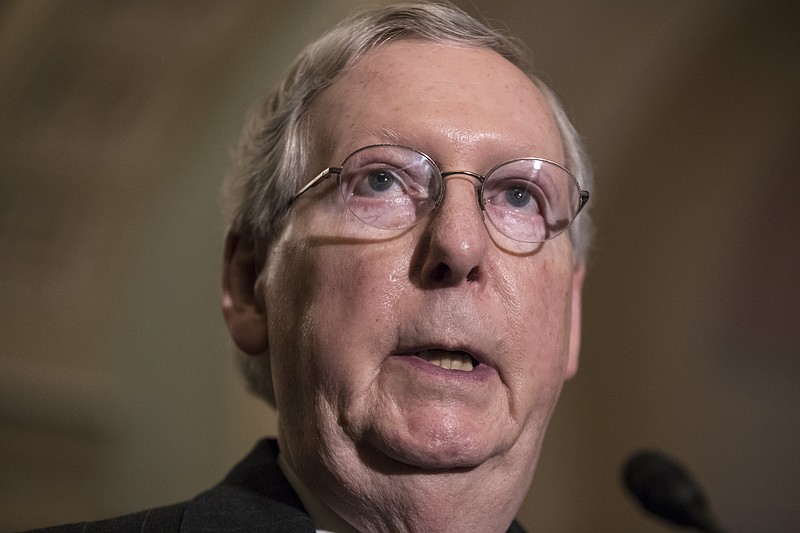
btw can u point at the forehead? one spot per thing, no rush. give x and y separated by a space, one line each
450 101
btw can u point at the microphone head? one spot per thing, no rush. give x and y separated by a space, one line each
665 489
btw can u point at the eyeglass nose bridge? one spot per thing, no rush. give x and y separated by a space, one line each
478 190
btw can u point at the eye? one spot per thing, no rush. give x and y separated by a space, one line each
518 196
376 181
380 180
515 194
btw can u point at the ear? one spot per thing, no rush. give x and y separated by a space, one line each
578 275
242 306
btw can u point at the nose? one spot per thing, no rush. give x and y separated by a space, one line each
455 249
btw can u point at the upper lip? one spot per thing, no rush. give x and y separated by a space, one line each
453 324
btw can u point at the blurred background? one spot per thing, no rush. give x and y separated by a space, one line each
117 384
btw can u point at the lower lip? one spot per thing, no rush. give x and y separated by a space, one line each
479 373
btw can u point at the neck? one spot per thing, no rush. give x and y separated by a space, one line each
322 516
440 503
402 499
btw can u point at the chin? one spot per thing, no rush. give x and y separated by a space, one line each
436 446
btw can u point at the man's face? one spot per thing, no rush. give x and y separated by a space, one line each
357 317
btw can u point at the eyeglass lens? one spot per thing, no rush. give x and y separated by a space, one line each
393 187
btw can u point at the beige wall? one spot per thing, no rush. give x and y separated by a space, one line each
117 389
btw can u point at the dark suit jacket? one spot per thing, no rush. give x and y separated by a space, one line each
255 496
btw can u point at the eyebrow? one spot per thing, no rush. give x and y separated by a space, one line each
392 136
389 135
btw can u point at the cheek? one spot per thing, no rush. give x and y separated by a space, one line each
356 292
289 296
331 307
542 330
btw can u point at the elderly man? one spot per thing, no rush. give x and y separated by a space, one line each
403 273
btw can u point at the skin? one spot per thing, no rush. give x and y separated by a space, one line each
386 439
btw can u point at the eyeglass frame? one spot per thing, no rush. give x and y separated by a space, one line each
583 194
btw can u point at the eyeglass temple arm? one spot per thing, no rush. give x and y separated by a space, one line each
583 199
316 181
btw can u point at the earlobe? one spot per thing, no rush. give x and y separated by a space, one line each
575 321
243 308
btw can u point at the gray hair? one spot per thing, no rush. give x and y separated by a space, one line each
272 159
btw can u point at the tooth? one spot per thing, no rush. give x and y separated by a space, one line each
448 360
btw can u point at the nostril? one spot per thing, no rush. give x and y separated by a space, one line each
440 272
443 273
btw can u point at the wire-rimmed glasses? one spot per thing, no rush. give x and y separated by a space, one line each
387 186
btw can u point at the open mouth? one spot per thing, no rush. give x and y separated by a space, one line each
449 360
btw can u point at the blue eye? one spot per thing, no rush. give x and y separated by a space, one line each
380 181
518 196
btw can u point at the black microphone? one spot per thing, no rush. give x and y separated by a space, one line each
664 488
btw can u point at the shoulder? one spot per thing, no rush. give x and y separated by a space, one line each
515 528
254 495
161 519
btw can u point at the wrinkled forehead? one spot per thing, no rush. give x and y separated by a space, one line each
427 95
